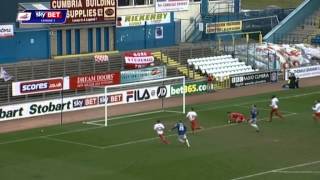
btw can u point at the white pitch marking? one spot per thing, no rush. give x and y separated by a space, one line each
276 170
71 142
298 172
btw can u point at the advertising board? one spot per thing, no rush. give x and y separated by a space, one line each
6 30
149 73
304 72
91 80
253 78
40 86
189 89
42 16
140 59
171 5
87 11
143 19
60 105
221 27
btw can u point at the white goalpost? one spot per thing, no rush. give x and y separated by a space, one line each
139 92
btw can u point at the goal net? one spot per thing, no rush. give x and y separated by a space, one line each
141 98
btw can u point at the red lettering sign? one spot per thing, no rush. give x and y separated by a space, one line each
91 80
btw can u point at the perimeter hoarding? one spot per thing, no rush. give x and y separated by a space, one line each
150 73
61 105
87 11
40 86
253 78
304 72
92 80
189 88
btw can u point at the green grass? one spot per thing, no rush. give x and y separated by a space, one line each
261 4
130 150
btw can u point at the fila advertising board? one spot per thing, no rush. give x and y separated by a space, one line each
150 73
143 19
171 5
304 72
40 86
33 109
6 30
222 27
87 11
42 16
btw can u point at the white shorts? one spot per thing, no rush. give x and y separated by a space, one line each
182 137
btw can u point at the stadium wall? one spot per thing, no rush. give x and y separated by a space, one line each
26 44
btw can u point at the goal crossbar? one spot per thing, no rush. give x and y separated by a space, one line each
141 83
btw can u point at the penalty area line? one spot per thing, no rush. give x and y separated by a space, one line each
277 170
298 172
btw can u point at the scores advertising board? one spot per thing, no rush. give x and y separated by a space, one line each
40 86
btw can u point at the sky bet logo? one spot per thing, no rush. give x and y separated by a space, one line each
43 16
49 14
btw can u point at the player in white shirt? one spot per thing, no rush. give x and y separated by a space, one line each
192 116
159 128
275 108
316 109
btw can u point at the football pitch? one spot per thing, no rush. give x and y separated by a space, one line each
128 149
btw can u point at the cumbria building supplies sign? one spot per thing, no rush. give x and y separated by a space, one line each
87 11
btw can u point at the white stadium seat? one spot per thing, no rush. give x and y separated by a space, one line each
220 66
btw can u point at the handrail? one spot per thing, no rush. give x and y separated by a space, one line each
267 36
192 26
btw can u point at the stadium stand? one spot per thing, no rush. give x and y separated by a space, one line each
40 69
301 26
220 66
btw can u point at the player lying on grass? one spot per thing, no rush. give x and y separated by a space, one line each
236 117
182 133
159 128
274 108
192 116
316 109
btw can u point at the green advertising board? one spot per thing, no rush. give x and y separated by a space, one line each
190 88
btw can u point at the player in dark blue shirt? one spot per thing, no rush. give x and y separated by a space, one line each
182 133
253 117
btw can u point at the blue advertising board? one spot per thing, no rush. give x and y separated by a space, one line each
149 73
42 16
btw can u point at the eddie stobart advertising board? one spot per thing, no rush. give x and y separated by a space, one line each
33 109
253 78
